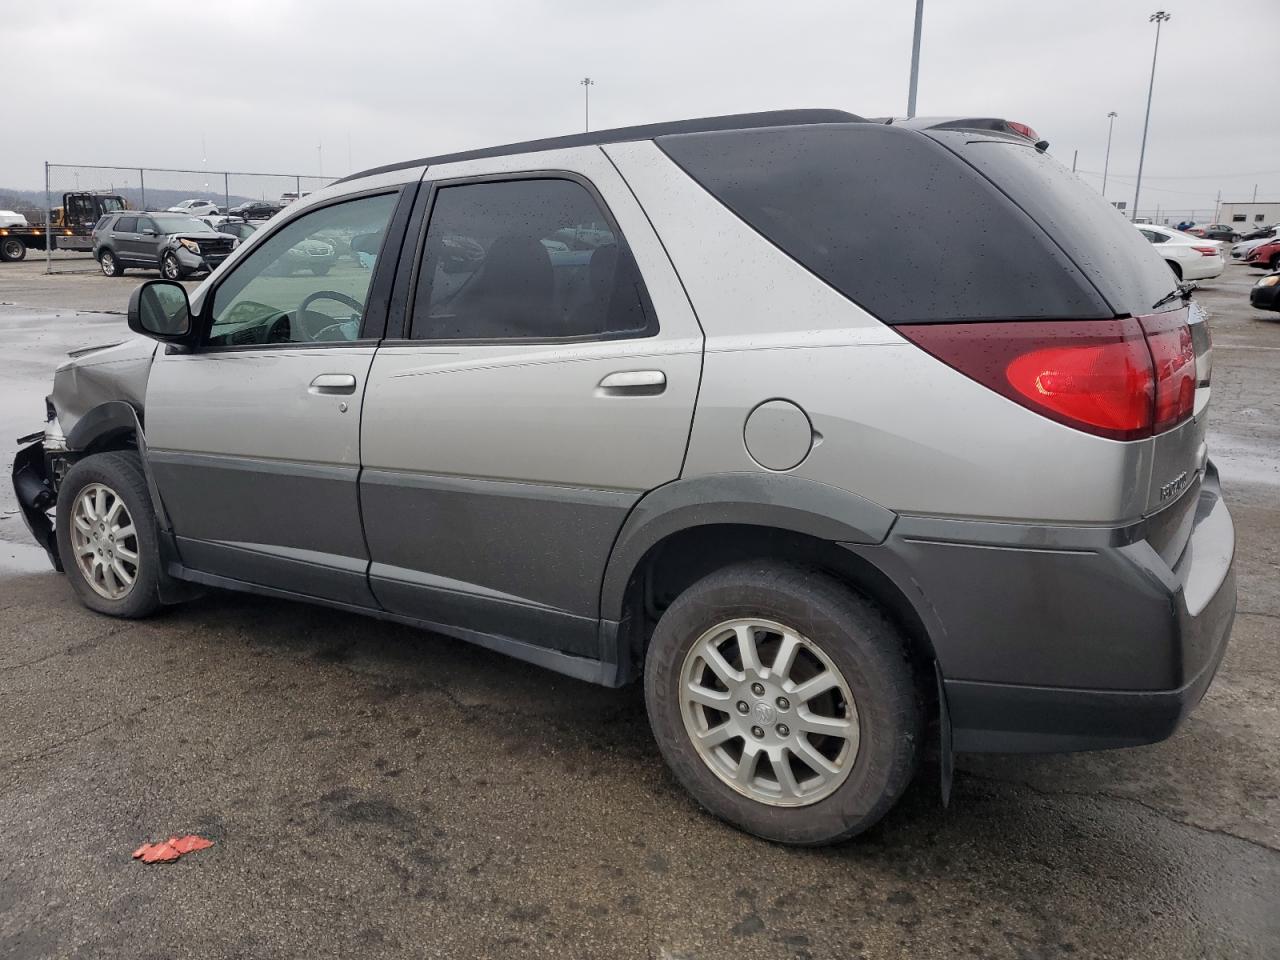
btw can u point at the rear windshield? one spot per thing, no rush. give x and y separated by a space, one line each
892 220
1117 258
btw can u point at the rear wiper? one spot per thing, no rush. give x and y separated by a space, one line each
1183 290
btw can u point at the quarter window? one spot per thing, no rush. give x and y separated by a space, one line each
307 282
531 259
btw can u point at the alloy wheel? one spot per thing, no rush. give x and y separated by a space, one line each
108 263
769 712
104 542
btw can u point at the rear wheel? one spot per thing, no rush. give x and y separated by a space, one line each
13 249
784 703
110 265
107 535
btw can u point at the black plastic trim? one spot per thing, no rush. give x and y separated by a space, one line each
770 500
581 668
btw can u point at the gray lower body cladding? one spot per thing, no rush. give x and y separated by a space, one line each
1053 639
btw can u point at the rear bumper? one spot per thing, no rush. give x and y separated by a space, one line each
1206 268
1054 639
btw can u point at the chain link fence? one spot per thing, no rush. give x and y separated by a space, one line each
77 195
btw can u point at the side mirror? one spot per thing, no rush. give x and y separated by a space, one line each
159 309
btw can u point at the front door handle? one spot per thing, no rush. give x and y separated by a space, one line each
331 383
633 383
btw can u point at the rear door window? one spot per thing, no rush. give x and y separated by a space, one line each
528 259
127 225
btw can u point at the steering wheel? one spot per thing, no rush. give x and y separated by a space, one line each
316 331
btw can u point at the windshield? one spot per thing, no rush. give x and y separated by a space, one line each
179 224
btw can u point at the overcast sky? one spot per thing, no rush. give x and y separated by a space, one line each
265 81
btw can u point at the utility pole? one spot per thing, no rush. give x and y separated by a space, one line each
1255 193
1106 163
1217 206
1158 18
1075 155
586 83
915 61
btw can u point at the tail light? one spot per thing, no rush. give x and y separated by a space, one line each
1123 379
1205 251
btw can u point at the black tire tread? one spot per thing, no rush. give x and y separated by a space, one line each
122 471
829 612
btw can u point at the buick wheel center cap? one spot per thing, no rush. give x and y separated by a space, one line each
763 713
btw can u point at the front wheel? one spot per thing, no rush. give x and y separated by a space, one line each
170 268
784 703
107 535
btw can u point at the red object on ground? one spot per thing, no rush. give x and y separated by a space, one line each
166 851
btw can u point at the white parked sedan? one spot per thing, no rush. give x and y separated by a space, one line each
1190 258
196 208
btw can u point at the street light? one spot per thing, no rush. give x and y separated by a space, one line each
915 61
587 83
1106 163
1157 18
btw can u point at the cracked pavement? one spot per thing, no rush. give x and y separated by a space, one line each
376 791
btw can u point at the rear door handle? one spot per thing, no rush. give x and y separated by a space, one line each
633 383
331 383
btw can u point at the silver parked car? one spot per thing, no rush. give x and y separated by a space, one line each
834 491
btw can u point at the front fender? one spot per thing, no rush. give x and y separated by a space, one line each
778 501
105 422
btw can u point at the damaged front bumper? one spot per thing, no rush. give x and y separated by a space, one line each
36 494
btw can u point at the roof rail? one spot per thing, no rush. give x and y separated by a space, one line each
735 121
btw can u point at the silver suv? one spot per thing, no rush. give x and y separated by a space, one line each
852 438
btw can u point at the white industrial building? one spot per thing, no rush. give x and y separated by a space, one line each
1249 214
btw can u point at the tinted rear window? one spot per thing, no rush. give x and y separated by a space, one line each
892 220
1117 258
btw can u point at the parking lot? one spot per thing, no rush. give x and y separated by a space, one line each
376 791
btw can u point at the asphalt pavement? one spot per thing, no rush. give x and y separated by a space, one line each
375 791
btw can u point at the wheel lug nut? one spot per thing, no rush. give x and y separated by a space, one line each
742 706
784 730
758 689
757 732
784 703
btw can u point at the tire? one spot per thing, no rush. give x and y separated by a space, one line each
321 270
1175 267
170 268
13 249
880 753
1275 262
120 475
110 264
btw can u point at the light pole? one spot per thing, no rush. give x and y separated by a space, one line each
587 83
1157 18
1106 163
915 61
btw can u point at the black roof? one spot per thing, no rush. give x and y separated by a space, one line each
734 121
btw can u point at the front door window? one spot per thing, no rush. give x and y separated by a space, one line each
308 282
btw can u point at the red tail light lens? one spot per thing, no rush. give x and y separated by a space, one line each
1121 379
1205 251
1174 357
